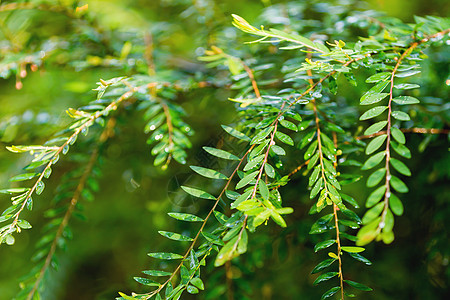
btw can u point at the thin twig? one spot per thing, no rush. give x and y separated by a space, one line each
407 130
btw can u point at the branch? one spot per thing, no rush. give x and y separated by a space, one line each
407 130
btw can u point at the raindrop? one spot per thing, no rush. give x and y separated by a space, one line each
153 127
382 224
158 137
388 194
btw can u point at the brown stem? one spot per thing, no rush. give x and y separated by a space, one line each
252 79
73 202
151 294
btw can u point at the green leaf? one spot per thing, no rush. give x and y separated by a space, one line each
403 100
373 98
175 236
289 125
373 112
192 289
323 265
22 177
197 282
400 167
198 193
375 144
396 205
261 136
407 73
185 217
278 150
125 296
374 128
24 224
373 213
358 286
270 171
235 133
360 258
398 135
208 173
401 149
373 161
324 277
406 86
221 153
399 115
156 273
351 249
311 150
263 190
375 196
378 77
284 138
246 179
165 255
40 187
146 281
314 176
375 177
398 185
330 292
14 190
323 245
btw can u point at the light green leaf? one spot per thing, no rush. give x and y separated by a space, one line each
396 205
400 167
375 177
263 190
198 193
185 217
284 138
398 185
373 160
373 98
398 135
375 144
374 128
165 255
288 124
406 86
378 77
146 281
156 273
14 190
403 100
175 236
198 283
373 112
351 249
235 133
375 196
208 173
246 179
399 115
221 153
22 177
372 213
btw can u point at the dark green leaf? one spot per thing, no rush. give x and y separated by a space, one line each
324 277
358 286
323 245
330 292
323 265
165 255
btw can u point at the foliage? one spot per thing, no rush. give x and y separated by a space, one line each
294 90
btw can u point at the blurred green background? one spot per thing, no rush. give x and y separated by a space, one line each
110 247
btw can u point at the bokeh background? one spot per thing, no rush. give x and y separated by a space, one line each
121 225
